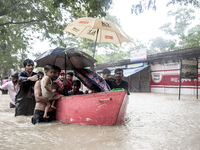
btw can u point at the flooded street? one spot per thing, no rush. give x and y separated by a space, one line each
153 122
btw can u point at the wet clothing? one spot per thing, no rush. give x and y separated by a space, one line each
12 106
123 84
38 116
12 90
25 100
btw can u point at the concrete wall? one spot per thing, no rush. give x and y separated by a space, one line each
165 78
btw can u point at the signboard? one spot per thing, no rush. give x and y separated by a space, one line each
138 56
189 69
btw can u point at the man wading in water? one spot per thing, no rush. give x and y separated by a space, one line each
25 101
41 101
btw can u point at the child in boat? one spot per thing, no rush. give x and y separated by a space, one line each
76 84
95 89
48 91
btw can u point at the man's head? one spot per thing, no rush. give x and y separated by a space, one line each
29 65
118 74
62 75
70 76
106 74
57 72
14 77
40 75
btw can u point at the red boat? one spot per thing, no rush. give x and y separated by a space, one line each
105 108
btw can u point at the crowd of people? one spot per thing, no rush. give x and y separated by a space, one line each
35 94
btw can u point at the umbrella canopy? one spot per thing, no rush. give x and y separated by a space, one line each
65 58
89 78
98 30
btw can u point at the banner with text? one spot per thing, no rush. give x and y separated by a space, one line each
189 69
140 55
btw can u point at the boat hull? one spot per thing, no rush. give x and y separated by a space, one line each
106 108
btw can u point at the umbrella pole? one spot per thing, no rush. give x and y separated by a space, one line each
65 87
95 42
65 64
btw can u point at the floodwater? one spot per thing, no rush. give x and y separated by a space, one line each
153 122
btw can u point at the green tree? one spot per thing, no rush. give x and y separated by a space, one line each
19 20
181 34
160 44
151 4
183 17
177 30
182 20
193 38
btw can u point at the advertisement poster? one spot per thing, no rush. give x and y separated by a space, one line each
189 69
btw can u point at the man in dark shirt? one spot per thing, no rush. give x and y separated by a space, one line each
25 100
119 82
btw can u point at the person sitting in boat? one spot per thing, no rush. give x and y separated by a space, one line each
95 89
61 81
48 91
106 76
76 84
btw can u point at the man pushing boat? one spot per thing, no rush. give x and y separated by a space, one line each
41 101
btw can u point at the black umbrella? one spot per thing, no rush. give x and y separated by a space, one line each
65 58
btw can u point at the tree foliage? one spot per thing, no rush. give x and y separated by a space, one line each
160 44
181 36
183 18
193 38
143 5
21 19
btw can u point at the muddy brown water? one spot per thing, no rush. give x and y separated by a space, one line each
153 122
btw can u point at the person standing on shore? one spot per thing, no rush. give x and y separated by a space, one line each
25 100
12 87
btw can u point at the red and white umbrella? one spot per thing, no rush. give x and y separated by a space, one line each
98 30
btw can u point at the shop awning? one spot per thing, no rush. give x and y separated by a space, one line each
130 71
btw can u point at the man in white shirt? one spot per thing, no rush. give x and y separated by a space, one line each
12 87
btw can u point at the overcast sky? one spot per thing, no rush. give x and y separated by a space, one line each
145 25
